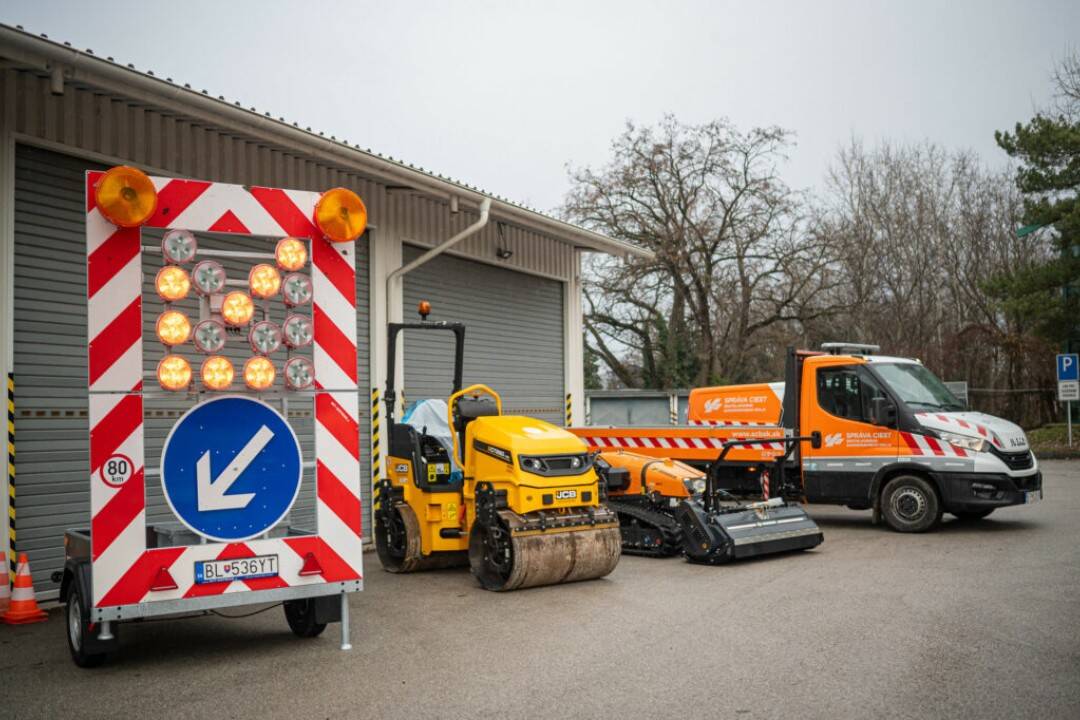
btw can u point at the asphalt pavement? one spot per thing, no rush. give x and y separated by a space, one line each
978 620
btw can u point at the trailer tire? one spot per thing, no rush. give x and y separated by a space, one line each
78 628
300 614
971 515
910 504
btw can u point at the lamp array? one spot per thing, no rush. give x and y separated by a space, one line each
236 309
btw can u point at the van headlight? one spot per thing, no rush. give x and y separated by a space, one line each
968 442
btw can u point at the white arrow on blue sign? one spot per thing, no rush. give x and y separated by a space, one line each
231 468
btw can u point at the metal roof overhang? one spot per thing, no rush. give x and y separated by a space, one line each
76 66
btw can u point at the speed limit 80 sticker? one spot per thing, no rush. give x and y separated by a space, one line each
117 470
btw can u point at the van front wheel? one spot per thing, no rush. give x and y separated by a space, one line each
910 504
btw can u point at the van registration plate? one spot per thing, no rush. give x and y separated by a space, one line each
215 571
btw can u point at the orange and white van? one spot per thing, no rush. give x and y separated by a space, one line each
893 437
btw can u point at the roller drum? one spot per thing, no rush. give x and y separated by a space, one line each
543 557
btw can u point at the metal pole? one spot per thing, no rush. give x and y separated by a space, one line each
345 644
1068 417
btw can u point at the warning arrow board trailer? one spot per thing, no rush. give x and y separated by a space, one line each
231 468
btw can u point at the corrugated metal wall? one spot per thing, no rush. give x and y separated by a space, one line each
52 447
50 361
513 334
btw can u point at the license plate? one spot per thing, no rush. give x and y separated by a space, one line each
1032 496
215 571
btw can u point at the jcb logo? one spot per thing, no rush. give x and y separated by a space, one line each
834 439
565 494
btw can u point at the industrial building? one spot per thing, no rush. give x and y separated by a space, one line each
63 111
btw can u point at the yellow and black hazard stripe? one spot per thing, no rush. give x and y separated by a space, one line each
11 474
569 409
376 437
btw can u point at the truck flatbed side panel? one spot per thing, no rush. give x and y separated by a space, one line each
683 442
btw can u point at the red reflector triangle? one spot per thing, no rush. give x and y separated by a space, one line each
311 565
163 580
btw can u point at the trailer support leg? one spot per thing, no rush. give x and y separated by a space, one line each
106 631
345 644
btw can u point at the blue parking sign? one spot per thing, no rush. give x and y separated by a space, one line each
1067 367
231 468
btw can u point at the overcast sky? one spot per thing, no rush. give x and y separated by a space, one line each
505 94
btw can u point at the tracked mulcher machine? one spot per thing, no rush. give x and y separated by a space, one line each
666 507
516 498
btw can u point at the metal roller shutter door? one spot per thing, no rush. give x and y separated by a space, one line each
50 363
513 335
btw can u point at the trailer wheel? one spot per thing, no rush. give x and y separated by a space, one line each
972 515
910 504
300 615
78 628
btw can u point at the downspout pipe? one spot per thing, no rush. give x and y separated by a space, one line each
485 213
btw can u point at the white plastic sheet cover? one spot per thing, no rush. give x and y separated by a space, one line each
430 418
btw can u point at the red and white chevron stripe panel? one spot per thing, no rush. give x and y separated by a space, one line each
124 569
730 423
630 442
963 424
918 444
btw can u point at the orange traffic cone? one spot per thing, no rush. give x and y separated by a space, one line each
24 608
5 591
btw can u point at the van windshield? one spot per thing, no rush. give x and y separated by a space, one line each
917 387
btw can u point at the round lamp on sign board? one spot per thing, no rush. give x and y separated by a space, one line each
237 308
217 372
265 337
125 196
299 373
173 373
172 283
424 308
297 331
208 277
179 247
297 289
209 336
341 215
290 254
173 328
259 373
264 281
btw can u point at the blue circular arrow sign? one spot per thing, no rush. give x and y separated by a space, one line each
231 468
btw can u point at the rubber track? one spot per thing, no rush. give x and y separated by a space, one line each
667 526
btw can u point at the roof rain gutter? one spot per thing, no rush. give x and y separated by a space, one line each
78 66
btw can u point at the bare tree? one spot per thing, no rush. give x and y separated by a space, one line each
734 260
924 233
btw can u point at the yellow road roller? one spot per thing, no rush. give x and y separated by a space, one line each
516 498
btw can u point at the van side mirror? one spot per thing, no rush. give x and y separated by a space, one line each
815 439
882 412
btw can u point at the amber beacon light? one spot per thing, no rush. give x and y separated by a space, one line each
259 373
173 373
237 308
341 215
126 196
217 372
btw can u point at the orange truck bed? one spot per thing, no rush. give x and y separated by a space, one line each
687 443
